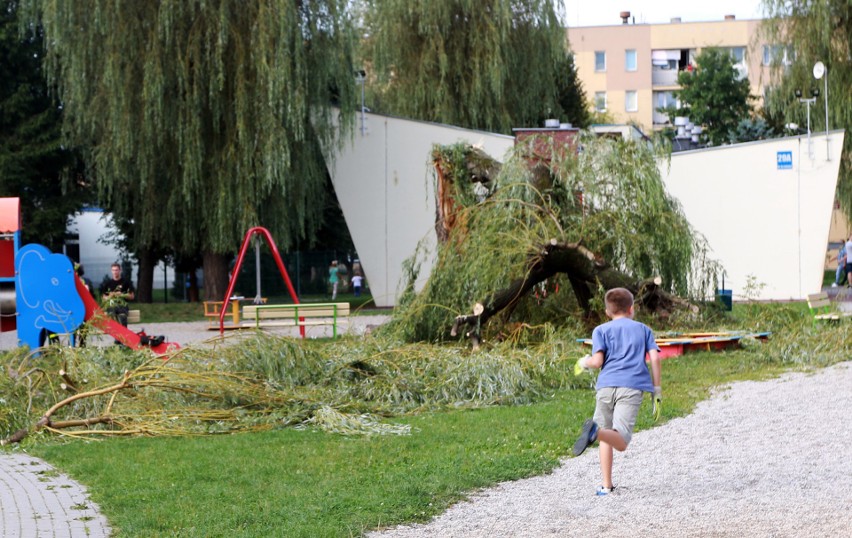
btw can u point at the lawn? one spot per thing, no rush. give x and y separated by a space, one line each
292 482
302 483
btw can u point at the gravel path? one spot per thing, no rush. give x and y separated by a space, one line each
769 458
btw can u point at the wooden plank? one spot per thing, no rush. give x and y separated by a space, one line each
133 316
821 303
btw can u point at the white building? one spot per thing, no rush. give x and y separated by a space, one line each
765 207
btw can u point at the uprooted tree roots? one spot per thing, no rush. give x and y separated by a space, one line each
585 272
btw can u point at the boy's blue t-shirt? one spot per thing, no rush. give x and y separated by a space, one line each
624 343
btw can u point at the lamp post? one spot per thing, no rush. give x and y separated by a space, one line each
820 73
361 80
808 102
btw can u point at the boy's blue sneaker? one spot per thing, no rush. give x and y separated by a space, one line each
588 436
602 491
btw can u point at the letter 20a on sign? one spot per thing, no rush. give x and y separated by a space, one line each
785 160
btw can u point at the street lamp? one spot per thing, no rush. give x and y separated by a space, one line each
819 72
361 80
809 102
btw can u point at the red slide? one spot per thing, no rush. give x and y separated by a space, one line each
102 321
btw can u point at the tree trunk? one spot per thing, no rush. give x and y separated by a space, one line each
145 276
584 269
192 293
215 276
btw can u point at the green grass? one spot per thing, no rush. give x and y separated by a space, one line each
303 483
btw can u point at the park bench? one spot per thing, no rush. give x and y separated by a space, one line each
212 309
295 315
133 316
822 309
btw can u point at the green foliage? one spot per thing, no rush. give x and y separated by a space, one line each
34 165
492 65
713 96
750 129
819 30
609 197
572 96
202 118
267 382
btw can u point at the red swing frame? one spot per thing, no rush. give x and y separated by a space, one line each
233 281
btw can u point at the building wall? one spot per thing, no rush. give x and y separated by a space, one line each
645 38
93 227
762 221
386 187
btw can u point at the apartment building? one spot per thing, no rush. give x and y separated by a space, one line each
630 70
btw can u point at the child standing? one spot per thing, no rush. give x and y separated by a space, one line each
333 278
618 349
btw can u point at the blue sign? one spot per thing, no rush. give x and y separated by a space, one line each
785 160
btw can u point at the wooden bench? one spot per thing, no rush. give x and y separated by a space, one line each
295 315
133 316
212 309
822 309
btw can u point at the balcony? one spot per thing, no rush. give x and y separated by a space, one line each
664 77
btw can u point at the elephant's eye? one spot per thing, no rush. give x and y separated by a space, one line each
54 281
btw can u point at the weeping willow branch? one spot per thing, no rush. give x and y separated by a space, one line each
45 420
586 271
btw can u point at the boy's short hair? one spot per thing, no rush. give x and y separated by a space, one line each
618 300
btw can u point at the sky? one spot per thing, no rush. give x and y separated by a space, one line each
605 12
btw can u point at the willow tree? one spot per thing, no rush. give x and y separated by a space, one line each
484 64
535 241
202 117
34 165
819 30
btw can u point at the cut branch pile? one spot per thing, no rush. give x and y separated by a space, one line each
260 383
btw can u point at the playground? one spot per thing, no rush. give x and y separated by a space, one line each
454 420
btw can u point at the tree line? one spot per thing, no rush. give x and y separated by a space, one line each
192 121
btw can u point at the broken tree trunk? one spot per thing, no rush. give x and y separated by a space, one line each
585 271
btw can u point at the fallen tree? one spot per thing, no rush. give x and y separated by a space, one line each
599 219
584 270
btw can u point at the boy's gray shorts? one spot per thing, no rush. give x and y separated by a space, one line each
616 409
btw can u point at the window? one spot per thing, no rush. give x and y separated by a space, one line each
738 54
778 54
600 60
631 102
600 101
630 59
663 100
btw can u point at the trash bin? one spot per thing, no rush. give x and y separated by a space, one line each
725 299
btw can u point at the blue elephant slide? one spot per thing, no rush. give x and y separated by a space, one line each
51 297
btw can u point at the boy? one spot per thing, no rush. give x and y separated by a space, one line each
618 349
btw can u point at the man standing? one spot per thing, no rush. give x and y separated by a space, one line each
115 292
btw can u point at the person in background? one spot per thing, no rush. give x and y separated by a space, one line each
81 272
840 276
357 280
116 291
849 261
333 279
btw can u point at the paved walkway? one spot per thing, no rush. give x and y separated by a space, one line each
37 501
